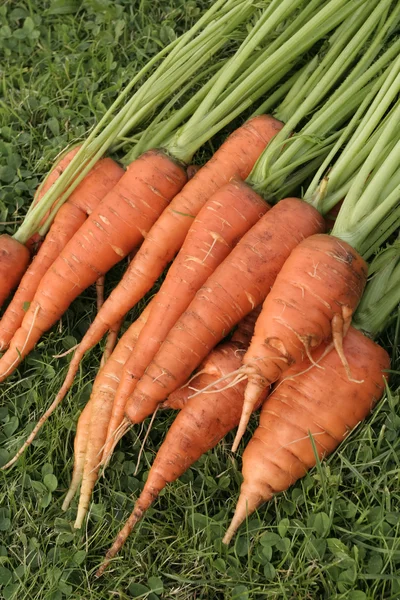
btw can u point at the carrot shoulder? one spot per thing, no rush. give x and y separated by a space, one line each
239 284
113 229
83 200
322 402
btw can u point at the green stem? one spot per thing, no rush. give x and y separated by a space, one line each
382 293
153 91
365 191
385 91
334 12
355 32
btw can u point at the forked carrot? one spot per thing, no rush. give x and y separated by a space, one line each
319 401
323 278
199 426
83 200
239 284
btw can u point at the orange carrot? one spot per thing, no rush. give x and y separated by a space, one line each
83 200
222 221
14 259
57 170
113 229
101 400
321 401
239 284
319 287
200 425
236 156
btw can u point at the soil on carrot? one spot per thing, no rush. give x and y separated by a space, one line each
335 534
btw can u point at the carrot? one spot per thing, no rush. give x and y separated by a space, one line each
56 171
100 180
112 230
323 279
309 400
223 220
102 401
235 157
239 284
14 259
199 426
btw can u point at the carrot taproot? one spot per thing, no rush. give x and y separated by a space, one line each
222 221
235 157
112 230
80 446
309 400
200 425
319 288
240 283
71 216
102 402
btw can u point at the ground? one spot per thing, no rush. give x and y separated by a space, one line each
333 535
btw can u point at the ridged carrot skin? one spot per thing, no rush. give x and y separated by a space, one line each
218 227
314 296
321 401
200 425
236 157
239 284
71 216
113 229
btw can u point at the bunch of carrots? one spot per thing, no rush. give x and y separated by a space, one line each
259 306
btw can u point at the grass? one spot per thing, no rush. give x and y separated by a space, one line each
333 535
